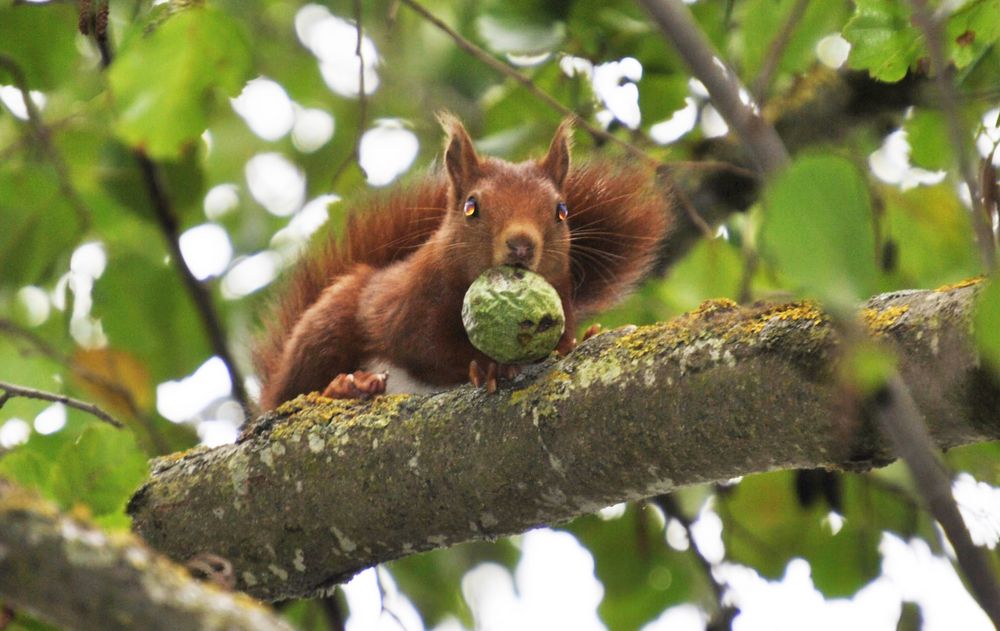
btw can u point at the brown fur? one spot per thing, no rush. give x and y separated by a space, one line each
393 288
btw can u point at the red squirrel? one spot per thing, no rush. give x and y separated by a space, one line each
388 296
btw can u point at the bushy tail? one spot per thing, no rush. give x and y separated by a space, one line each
618 217
379 231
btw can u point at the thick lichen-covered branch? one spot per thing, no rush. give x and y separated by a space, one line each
74 575
321 489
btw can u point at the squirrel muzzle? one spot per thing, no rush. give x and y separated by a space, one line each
520 245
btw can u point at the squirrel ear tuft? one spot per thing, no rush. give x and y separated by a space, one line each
555 164
459 154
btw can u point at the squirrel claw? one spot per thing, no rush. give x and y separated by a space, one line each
591 331
487 377
357 385
566 346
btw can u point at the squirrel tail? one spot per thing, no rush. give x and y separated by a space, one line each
382 230
618 219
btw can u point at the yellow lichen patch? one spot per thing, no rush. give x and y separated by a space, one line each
307 411
551 381
794 311
640 342
713 307
167 460
711 316
879 321
968 282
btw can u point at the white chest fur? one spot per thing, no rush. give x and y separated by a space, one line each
399 381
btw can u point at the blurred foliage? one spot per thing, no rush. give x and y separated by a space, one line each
827 227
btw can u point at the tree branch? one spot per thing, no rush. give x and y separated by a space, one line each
71 574
776 49
11 390
326 488
958 136
729 97
899 418
164 213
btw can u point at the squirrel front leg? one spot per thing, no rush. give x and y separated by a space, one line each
568 340
325 343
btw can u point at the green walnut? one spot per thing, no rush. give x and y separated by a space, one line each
513 315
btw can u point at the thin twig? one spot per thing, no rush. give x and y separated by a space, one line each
776 49
44 139
163 210
729 97
43 347
165 216
10 390
381 594
355 154
900 420
668 504
714 165
666 183
596 133
931 27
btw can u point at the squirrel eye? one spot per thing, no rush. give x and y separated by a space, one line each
471 207
561 211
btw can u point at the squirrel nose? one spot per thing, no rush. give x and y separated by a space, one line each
521 249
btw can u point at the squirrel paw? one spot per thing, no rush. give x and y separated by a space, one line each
357 385
568 344
487 375
591 331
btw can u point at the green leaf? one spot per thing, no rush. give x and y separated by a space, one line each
932 233
28 469
765 527
712 269
817 229
41 40
641 574
182 180
157 302
433 580
883 40
165 84
764 20
39 225
930 147
101 470
987 323
661 95
972 30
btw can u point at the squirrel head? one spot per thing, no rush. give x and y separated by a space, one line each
507 213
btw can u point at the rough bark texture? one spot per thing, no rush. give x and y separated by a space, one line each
321 489
73 575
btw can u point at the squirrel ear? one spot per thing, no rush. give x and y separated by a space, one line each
459 155
555 164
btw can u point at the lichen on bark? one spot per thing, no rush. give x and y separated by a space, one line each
320 489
